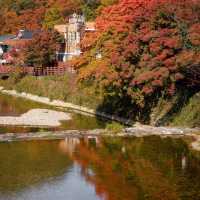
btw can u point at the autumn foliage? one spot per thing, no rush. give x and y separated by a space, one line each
148 48
41 50
37 14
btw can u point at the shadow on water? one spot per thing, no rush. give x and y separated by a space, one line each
95 168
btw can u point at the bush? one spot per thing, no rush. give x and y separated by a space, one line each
114 127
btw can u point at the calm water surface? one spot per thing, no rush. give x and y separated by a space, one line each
12 106
99 169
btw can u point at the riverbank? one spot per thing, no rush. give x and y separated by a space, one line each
137 131
181 110
63 104
63 87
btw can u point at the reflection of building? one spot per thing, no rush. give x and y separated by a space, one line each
73 33
69 144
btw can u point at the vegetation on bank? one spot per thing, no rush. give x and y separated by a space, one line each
114 127
55 87
189 115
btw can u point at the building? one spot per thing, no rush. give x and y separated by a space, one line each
4 48
9 43
73 32
20 39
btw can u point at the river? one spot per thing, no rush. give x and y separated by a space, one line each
99 169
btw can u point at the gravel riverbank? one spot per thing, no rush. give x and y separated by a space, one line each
36 117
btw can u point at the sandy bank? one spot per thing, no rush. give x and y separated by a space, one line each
36 117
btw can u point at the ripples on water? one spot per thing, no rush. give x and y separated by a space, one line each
99 169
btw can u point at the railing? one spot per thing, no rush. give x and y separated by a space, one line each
38 71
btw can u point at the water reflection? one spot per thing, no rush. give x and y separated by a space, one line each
140 168
95 168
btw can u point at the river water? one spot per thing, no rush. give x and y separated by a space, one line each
97 168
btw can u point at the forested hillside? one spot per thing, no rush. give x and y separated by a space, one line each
37 14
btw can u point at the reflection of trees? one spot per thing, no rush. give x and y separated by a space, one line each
142 168
27 163
83 122
15 106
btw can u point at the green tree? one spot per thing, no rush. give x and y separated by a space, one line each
89 8
52 17
108 2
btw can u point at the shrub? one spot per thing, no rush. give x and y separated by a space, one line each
114 127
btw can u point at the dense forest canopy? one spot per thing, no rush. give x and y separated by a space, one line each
37 14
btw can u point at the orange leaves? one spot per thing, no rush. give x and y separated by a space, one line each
155 47
14 17
147 90
194 34
32 19
172 43
40 51
149 36
9 22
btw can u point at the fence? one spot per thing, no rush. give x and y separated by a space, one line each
37 71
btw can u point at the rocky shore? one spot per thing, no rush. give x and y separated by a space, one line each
137 131
143 130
